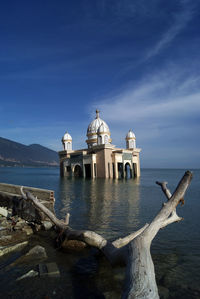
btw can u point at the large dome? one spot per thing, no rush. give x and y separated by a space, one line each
95 125
98 132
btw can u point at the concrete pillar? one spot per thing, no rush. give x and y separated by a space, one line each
72 170
116 170
133 171
92 170
138 168
83 170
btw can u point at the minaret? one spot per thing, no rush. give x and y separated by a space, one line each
130 140
67 142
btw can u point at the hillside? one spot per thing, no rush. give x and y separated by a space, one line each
14 153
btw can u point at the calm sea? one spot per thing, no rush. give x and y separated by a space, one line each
115 208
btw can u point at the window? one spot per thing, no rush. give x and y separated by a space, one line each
106 139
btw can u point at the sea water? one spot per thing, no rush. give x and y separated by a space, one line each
114 208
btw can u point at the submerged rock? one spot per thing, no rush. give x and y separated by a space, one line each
31 273
36 253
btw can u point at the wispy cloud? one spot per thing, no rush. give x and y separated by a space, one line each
164 112
162 96
181 19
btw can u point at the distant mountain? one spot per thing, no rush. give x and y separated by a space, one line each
14 153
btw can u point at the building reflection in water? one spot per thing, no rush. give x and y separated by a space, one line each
109 207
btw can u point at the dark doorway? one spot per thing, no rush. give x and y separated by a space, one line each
68 171
78 171
120 170
87 170
128 171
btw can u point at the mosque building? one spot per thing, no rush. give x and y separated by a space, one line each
101 159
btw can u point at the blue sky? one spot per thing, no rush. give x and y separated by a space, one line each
137 61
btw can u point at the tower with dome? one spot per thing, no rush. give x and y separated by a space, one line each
101 159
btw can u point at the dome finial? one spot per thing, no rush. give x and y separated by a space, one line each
97 113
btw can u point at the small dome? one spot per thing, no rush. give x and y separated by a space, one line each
130 134
95 125
67 137
103 129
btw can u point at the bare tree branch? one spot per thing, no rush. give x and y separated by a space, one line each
46 211
134 249
165 189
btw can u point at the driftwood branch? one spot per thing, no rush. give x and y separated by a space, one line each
133 249
60 224
173 217
165 189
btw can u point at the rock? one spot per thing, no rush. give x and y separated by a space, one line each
28 230
4 231
73 245
38 252
5 222
31 273
20 224
46 225
8 249
4 212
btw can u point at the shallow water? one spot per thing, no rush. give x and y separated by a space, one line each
113 208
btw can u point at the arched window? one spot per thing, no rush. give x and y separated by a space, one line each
69 147
131 143
106 139
100 139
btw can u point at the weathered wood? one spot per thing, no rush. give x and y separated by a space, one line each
134 249
140 274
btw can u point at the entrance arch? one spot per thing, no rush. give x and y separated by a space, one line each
78 171
128 173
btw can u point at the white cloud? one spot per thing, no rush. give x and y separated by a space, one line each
181 19
158 98
164 113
